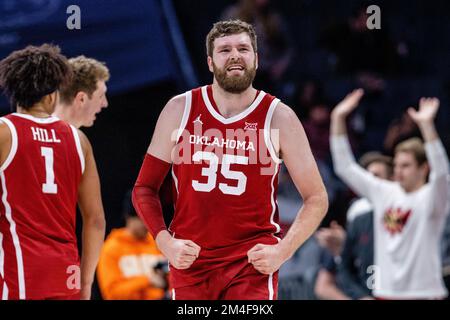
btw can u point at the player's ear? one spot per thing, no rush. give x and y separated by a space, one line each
80 98
256 60
50 99
53 97
210 64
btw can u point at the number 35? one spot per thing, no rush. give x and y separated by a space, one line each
211 173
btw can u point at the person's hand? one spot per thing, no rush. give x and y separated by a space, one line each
157 279
428 108
348 104
265 258
85 292
180 253
332 238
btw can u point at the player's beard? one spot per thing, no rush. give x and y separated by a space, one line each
234 84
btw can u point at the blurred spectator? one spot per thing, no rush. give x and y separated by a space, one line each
409 214
358 49
131 267
380 166
317 128
326 287
298 275
275 51
307 94
357 257
332 238
399 130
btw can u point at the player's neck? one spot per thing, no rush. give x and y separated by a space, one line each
67 114
39 110
230 104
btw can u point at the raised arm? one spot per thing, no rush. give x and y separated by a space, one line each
345 166
180 253
436 155
295 150
91 207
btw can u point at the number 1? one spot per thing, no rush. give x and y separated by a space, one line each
49 186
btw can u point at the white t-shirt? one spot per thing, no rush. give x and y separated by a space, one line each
407 226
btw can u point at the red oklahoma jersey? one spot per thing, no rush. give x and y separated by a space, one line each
226 176
39 185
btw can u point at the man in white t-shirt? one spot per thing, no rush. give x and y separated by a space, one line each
380 166
409 214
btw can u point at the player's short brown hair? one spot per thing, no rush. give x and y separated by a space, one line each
28 75
415 147
86 73
229 27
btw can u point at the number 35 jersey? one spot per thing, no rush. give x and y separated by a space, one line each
225 173
39 186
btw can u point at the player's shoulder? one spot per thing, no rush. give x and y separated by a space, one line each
176 103
283 116
4 131
173 111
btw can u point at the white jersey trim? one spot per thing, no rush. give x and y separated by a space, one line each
186 113
5 292
15 237
79 149
235 118
50 119
268 131
14 144
270 286
2 269
175 179
272 201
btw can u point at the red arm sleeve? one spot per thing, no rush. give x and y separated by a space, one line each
145 195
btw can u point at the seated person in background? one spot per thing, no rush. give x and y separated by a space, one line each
131 267
326 287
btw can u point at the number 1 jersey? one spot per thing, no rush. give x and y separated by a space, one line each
39 187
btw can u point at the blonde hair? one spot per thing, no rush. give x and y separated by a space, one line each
86 73
415 147
226 28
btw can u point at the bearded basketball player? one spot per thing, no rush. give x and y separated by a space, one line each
224 144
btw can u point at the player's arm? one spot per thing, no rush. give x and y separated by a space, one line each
436 155
295 150
181 253
5 142
91 207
